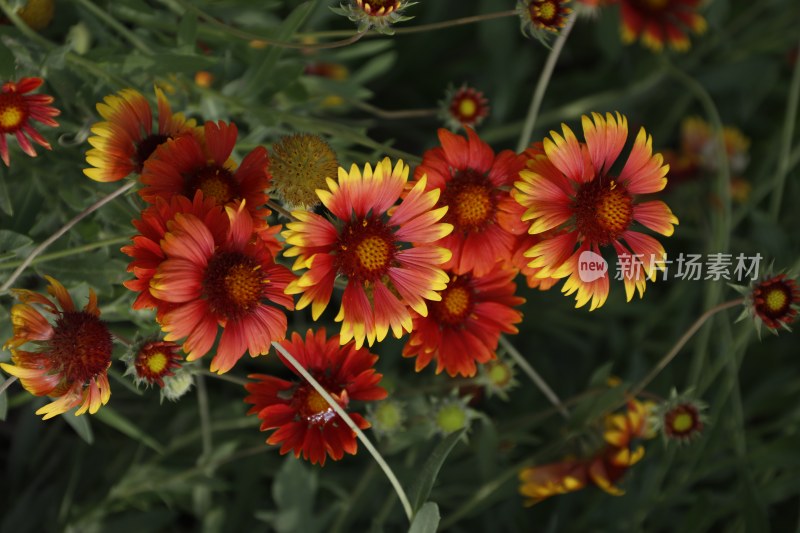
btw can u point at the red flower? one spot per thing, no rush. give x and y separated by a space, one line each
17 110
70 358
154 361
184 166
464 327
464 106
773 302
474 186
661 21
568 188
304 422
230 281
125 141
386 255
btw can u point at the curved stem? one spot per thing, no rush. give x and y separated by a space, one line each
544 81
537 380
784 157
670 355
65 228
43 258
246 35
280 210
455 22
392 115
7 383
349 421
223 377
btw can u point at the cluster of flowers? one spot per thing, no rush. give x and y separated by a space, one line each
433 254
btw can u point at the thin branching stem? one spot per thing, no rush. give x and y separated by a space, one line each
534 376
401 494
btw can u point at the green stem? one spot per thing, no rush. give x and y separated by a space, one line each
392 115
205 418
349 421
223 377
544 81
65 228
280 210
66 253
115 24
670 355
7 383
534 376
785 155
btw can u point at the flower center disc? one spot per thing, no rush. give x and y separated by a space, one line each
146 147
233 283
366 250
215 182
81 343
467 108
13 112
312 406
544 12
776 300
603 211
456 304
472 205
682 422
156 362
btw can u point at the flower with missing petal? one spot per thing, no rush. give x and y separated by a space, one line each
125 140
384 251
18 110
570 187
70 356
304 422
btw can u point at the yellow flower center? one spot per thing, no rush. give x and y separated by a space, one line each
156 362
315 403
500 374
312 407
546 10
456 303
775 299
604 210
243 284
234 283
467 108
13 112
373 253
682 422
472 206
216 183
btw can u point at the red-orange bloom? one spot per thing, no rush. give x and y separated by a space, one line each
464 327
154 361
304 422
184 166
72 355
661 21
474 185
232 282
146 248
464 106
18 109
385 254
126 140
569 187
774 302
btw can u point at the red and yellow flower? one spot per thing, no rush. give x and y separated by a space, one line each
473 183
773 302
18 110
464 106
125 140
568 187
657 22
465 326
220 277
385 252
154 361
540 17
71 356
303 421
184 166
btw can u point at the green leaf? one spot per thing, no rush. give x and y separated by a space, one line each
430 470
6 64
294 490
426 520
187 30
374 68
81 426
112 418
12 242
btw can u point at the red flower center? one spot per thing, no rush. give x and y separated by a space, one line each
215 182
146 147
682 421
366 250
82 345
471 200
13 112
378 8
604 210
456 305
234 283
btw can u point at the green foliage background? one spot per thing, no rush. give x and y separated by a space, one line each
142 465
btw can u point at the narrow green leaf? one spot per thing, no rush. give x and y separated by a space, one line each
187 30
6 63
426 520
5 199
430 470
112 418
81 426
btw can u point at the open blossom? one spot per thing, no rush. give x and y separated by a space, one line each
220 277
385 253
474 185
69 357
465 326
568 189
17 112
125 140
303 421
